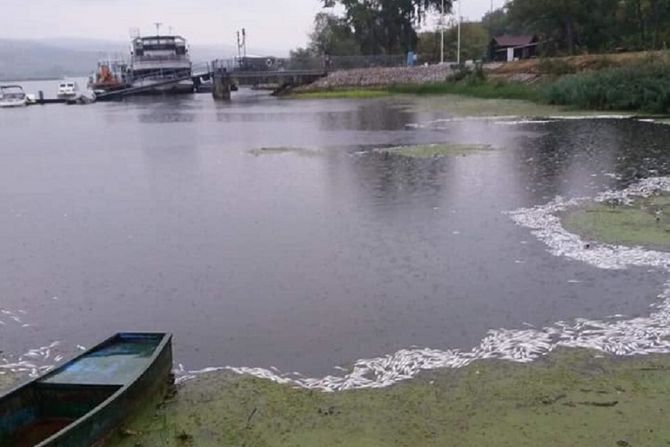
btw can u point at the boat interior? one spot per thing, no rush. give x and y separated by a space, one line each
33 413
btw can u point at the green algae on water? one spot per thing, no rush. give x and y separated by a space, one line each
281 150
437 150
644 223
571 397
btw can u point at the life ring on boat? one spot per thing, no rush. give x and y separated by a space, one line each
269 62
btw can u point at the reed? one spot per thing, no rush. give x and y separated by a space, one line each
642 87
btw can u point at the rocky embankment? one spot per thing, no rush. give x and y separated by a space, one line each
526 71
379 77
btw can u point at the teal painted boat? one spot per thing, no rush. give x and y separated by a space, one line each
85 400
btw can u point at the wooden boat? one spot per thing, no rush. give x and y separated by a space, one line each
85 400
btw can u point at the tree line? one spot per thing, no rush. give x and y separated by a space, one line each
564 27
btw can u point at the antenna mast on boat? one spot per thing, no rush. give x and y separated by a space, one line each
158 27
242 44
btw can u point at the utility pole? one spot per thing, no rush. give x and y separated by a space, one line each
442 35
239 46
244 41
460 18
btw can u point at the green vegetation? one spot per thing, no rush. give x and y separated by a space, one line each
475 40
570 398
467 106
487 90
284 150
346 93
437 150
641 87
644 87
646 223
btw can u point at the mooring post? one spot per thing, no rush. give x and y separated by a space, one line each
222 82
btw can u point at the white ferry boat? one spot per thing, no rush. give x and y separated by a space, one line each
163 61
12 96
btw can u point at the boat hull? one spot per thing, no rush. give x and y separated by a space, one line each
11 104
81 405
180 87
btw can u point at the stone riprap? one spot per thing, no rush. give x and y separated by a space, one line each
379 77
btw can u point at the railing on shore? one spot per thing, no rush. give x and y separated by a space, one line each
321 63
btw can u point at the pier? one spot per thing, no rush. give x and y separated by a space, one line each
226 75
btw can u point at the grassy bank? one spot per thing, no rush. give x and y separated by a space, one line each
483 90
571 398
643 87
645 223
605 83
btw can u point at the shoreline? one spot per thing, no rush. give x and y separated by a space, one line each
603 82
569 397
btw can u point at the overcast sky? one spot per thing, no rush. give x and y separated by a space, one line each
279 25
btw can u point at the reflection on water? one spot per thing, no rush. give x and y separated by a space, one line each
151 214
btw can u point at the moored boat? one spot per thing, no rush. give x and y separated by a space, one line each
83 401
12 96
161 64
68 90
109 76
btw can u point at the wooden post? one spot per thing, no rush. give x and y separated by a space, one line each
222 82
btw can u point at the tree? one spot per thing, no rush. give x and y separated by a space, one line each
386 26
498 23
567 25
332 36
474 38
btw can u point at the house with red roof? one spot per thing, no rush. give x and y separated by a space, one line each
508 48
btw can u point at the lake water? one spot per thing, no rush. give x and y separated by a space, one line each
160 214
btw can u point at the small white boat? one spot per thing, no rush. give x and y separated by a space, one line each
12 96
68 90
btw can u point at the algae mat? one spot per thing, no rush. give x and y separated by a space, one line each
437 150
646 222
569 398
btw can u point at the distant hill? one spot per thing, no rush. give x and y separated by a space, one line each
23 59
66 56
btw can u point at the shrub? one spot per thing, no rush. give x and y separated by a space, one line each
644 87
468 74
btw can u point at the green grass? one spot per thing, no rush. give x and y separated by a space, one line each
625 225
570 398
